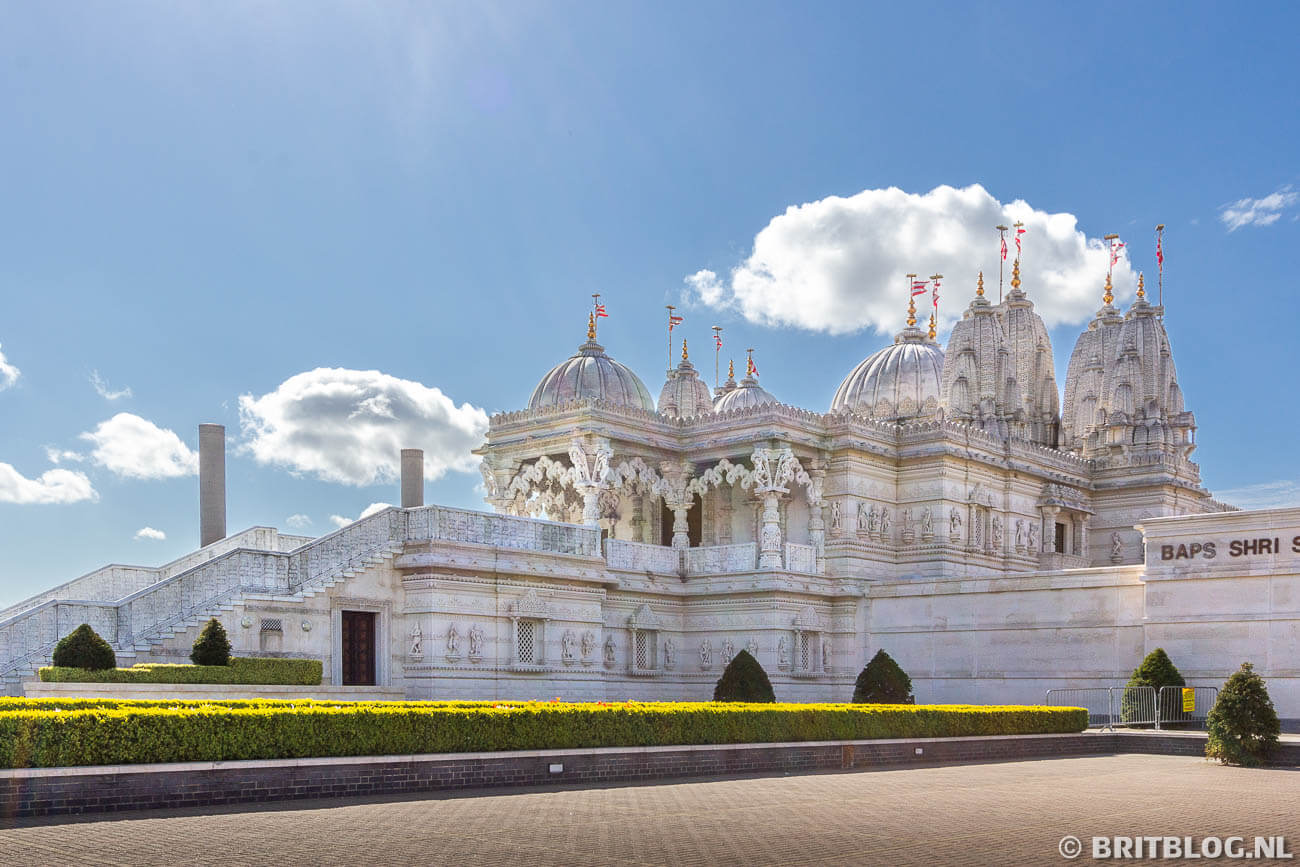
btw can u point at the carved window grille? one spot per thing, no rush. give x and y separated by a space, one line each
528 642
805 651
644 650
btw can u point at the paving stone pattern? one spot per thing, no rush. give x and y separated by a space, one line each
988 813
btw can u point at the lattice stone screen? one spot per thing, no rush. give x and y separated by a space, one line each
527 639
805 651
644 650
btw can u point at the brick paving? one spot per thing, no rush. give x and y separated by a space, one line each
994 813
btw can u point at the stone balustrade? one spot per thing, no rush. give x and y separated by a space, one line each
642 557
800 558
438 523
721 559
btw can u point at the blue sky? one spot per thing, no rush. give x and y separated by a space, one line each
202 202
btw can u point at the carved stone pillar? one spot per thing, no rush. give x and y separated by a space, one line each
677 499
773 469
816 521
769 551
724 514
589 466
1049 528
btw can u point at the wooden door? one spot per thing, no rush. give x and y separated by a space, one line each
358 649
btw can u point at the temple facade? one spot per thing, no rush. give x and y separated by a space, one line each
996 537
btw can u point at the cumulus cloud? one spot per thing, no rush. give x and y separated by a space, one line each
297 522
340 521
838 265
1265 495
52 486
58 456
136 448
150 533
8 373
350 426
1258 212
102 389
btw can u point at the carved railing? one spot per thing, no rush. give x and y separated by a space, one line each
720 559
800 558
437 523
642 557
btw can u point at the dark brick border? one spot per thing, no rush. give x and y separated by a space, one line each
62 791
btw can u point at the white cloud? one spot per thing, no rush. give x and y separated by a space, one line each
58 456
1258 212
350 426
1265 495
137 448
340 521
8 373
297 522
150 533
838 265
102 389
53 486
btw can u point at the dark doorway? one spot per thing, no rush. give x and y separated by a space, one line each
358 648
694 523
1060 539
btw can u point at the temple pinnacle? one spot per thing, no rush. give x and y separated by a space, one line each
1015 274
1142 292
591 326
1109 296
979 287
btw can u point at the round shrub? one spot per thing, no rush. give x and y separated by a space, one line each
1156 670
1243 723
883 682
744 680
212 647
83 648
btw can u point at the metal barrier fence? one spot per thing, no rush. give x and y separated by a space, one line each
1139 706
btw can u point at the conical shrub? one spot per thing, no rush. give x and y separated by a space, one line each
743 680
883 681
212 647
1243 723
1156 670
84 648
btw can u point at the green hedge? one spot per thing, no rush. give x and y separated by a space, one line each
57 735
242 670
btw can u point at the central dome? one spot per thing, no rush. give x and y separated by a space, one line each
899 382
591 375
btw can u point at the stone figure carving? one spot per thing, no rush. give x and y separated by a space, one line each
1020 534
752 647
836 519
609 651
476 641
873 520
865 514
997 533
568 646
588 645
1033 536
782 651
884 522
670 652
417 641
728 651
706 654
826 656
453 640
954 524
927 523
1116 547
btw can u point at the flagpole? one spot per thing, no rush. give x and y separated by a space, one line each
1002 257
595 302
1160 266
717 352
671 308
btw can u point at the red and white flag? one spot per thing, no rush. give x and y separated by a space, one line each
1115 247
673 320
936 294
718 338
600 310
753 368
1160 252
1004 249
918 287
1019 231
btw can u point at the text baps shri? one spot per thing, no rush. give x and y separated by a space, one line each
1236 548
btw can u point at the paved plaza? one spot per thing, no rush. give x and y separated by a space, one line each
1014 812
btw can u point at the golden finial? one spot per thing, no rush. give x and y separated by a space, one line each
979 287
1015 274
1142 292
911 312
684 356
1109 296
932 326
731 369
591 326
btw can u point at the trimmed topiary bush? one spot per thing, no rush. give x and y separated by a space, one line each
883 681
1243 723
212 647
744 680
83 648
1156 670
241 670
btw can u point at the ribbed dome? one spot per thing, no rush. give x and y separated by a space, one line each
591 374
900 381
685 395
745 395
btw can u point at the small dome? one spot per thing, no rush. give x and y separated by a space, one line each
900 381
743 396
591 374
684 395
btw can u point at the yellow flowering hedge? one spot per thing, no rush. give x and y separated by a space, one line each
64 732
242 670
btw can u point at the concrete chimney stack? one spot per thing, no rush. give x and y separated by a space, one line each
212 483
412 478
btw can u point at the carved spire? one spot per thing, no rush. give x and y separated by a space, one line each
591 326
932 332
1015 274
685 357
1142 292
731 370
979 287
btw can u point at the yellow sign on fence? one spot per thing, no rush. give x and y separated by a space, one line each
1189 699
